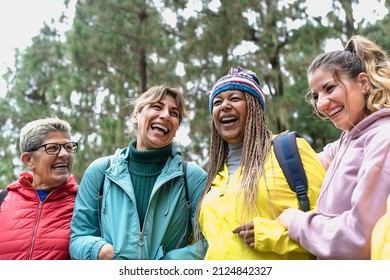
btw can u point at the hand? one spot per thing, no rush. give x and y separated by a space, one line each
287 216
247 233
106 252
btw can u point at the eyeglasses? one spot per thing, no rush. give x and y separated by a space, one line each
54 148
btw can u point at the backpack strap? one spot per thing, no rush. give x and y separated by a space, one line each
287 154
188 204
100 194
188 201
3 194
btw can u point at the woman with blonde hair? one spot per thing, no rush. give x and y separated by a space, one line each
351 88
144 206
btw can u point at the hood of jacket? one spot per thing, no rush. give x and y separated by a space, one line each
370 122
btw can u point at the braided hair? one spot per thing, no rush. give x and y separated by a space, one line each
256 147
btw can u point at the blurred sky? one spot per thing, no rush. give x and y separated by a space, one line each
20 20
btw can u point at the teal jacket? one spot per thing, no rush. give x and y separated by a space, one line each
164 234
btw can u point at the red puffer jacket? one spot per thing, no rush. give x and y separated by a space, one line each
35 230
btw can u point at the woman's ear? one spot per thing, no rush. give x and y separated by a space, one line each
27 159
134 117
363 79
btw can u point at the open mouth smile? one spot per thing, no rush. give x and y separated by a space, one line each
160 127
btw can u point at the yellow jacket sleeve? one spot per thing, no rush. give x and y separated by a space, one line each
271 236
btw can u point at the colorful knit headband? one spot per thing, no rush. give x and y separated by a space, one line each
238 79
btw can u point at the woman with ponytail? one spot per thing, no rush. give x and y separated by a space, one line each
351 88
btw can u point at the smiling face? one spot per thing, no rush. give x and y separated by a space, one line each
157 123
343 102
229 115
50 171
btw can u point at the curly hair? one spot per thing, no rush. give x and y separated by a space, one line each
360 55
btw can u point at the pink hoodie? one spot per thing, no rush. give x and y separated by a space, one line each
353 194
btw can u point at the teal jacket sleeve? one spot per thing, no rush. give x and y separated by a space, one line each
85 240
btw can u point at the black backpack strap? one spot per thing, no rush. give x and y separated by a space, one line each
188 201
188 205
3 194
287 154
100 194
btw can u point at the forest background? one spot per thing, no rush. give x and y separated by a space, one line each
116 49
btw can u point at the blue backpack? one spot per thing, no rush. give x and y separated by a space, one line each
287 154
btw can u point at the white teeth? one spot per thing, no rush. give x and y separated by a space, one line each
334 111
228 119
60 165
160 126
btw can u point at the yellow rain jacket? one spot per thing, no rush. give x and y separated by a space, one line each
380 240
221 212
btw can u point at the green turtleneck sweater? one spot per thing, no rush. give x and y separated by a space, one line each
144 168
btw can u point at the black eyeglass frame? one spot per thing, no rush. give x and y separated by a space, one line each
75 147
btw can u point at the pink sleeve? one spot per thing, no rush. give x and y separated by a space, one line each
328 153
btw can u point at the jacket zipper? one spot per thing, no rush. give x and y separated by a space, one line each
140 244
35 230
140 241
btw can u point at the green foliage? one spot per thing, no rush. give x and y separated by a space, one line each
116 49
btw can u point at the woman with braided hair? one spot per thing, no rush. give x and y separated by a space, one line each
351 88
246 189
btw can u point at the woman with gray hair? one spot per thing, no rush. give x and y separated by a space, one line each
144 211
37 209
